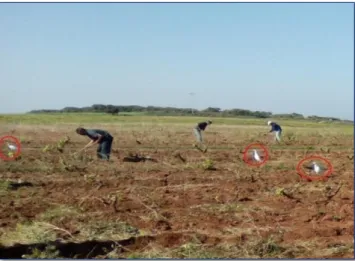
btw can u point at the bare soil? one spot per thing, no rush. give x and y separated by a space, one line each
176 206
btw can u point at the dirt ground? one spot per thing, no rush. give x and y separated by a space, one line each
177 207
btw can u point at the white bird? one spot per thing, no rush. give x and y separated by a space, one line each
315 167
256 156
11 147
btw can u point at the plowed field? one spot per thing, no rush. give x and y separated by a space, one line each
177 206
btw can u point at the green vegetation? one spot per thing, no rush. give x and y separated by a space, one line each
127 120
171 111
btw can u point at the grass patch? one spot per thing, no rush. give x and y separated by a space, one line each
89 118
59 213
267 248
101 230
220 208
27 233
4 185
49 253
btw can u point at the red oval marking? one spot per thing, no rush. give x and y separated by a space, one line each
18 145
311 178
250 163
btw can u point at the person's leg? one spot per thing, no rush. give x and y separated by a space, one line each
98 151
198 135
278 136
106 148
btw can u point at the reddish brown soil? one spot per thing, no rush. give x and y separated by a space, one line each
177 202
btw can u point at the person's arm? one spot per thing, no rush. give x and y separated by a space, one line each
99 139
93 142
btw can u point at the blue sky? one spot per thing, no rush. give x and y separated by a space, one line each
277 57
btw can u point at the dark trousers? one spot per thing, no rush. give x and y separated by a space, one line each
104 149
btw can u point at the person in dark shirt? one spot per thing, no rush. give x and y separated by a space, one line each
277 129
198 130
101 137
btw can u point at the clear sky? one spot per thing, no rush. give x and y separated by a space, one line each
277 57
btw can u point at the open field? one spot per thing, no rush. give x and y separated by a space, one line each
175 207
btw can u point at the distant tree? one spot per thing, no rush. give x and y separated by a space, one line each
212 109
111 109
165 111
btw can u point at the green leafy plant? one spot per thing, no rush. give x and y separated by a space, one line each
208 164
59 146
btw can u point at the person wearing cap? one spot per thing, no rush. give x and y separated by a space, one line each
275 128
101 137
198 130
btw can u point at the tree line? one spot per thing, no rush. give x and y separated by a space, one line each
172 111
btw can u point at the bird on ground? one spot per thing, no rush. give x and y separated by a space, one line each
256 156
315 168
11 147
